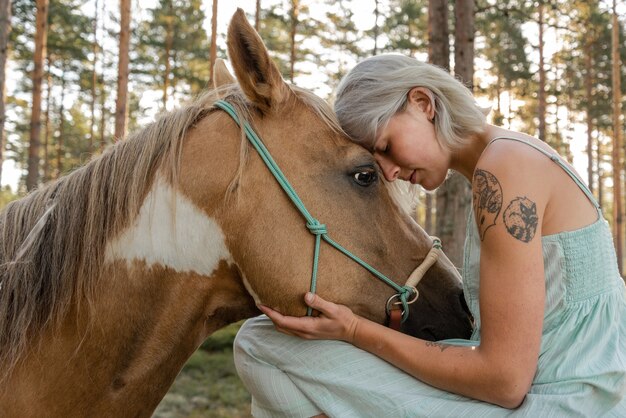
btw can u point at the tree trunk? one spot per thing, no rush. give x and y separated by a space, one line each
295 5
121 105
169 40
94 80
509 117
600 174
376 14
257 16
617 140
438 34
464 42
214 38
5 29
498 85
35 119
541 95
558 141
589 98
46 131
103 110
60 145
454 196
438 54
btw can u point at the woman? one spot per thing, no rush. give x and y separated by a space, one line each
550 328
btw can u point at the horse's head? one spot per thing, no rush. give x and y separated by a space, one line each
338 182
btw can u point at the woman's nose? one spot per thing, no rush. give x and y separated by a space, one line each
391 171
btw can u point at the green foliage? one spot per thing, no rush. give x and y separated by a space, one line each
406 26
274 30
76 150
172 32
503 45
275 26
7 196
339 36
591 39
68 71
68 45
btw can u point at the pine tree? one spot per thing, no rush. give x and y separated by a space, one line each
438 54
454 196
172 50
213 50
69 45
405 26
35 123
5 30
121 105
274 30
503 47
541 91
294 12
338 36
617 166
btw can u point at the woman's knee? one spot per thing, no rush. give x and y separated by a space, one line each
248 345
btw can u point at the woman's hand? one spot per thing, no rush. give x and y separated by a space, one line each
335 322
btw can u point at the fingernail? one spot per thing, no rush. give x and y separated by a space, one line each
308 297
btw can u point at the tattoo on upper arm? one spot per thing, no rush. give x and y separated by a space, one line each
441 346
487 200
521 219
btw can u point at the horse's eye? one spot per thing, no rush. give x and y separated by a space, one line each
365 177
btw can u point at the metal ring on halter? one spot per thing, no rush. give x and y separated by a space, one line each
398 302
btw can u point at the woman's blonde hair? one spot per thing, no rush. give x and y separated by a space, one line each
377 88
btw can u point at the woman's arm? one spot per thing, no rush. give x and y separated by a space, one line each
509 206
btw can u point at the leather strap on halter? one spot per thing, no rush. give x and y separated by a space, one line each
395 319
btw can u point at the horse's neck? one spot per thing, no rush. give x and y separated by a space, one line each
147 323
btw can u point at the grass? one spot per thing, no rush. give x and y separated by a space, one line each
208 385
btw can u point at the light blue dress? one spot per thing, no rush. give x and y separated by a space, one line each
582 363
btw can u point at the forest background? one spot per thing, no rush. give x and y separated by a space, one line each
75 76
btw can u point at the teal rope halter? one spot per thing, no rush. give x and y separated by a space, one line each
315 227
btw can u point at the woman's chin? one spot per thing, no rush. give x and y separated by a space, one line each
427 184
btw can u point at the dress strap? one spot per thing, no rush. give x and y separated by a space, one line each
557 159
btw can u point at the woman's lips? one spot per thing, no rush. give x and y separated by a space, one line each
413 178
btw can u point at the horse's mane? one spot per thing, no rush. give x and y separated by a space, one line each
54 239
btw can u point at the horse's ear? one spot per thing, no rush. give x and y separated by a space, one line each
258 76
221 75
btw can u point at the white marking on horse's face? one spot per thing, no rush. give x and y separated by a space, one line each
171 231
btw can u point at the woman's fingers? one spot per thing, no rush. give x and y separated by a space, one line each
334 322
283 323
316 302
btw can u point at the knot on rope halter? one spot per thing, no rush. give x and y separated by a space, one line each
408 293
316 228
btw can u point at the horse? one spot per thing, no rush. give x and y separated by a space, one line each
114 274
